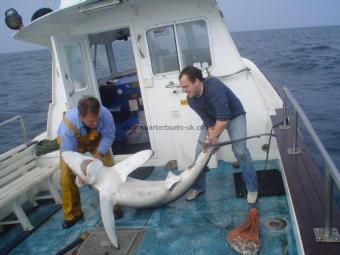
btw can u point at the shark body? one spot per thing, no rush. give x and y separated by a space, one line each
114 185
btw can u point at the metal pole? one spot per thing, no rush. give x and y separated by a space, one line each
284 125
23 130
295 124
284 111
328 203
294 149
327 234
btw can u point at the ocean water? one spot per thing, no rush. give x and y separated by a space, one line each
306 60
25 90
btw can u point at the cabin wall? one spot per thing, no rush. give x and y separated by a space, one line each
140 19
258 111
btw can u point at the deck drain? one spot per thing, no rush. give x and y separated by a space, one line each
276 224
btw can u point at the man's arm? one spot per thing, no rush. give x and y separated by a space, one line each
67 138
220 103
216 130
107 130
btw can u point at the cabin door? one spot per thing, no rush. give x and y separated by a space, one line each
73 60
179 123
176 122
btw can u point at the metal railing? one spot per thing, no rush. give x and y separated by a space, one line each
332 174
23 128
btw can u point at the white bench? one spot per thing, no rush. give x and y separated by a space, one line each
19 174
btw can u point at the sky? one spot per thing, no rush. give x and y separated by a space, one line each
239 15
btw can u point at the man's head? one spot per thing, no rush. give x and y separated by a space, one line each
88 111
191 81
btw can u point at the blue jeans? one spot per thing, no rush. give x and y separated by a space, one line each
237 129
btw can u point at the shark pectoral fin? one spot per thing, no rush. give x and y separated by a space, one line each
172 179
127 166
106 205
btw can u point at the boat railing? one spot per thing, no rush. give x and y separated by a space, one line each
22 124
332 174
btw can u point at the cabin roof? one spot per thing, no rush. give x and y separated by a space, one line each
59 22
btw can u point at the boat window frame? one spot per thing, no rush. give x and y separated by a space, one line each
176 45
180 60
85 64
128 71
95 58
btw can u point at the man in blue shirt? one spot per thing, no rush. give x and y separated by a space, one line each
87 128
219 109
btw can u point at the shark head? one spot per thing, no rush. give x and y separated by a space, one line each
86 168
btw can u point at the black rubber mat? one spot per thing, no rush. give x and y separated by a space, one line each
269 183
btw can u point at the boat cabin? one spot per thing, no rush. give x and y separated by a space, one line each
129 55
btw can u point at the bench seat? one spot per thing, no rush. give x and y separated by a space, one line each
19 174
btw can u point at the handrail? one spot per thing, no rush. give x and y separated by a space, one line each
326 234
246 69
23 128
332 168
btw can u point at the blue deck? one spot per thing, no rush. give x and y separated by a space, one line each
197 227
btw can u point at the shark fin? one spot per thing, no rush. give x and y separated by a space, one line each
127 166
172 179
106 205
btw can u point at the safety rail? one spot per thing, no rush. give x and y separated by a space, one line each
23 128
332 174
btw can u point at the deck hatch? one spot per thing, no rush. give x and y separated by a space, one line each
98 242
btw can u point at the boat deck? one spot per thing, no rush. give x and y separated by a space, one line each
306 185
196 227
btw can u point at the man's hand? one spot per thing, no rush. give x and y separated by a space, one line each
213 133
207 141
98 155
204 145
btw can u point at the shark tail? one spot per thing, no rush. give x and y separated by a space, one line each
106 205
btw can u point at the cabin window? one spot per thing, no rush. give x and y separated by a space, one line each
162 49
193 43
75 66
100 61
123 55
193 46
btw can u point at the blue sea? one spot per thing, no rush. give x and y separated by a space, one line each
306 60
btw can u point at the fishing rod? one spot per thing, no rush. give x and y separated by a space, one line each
220 144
